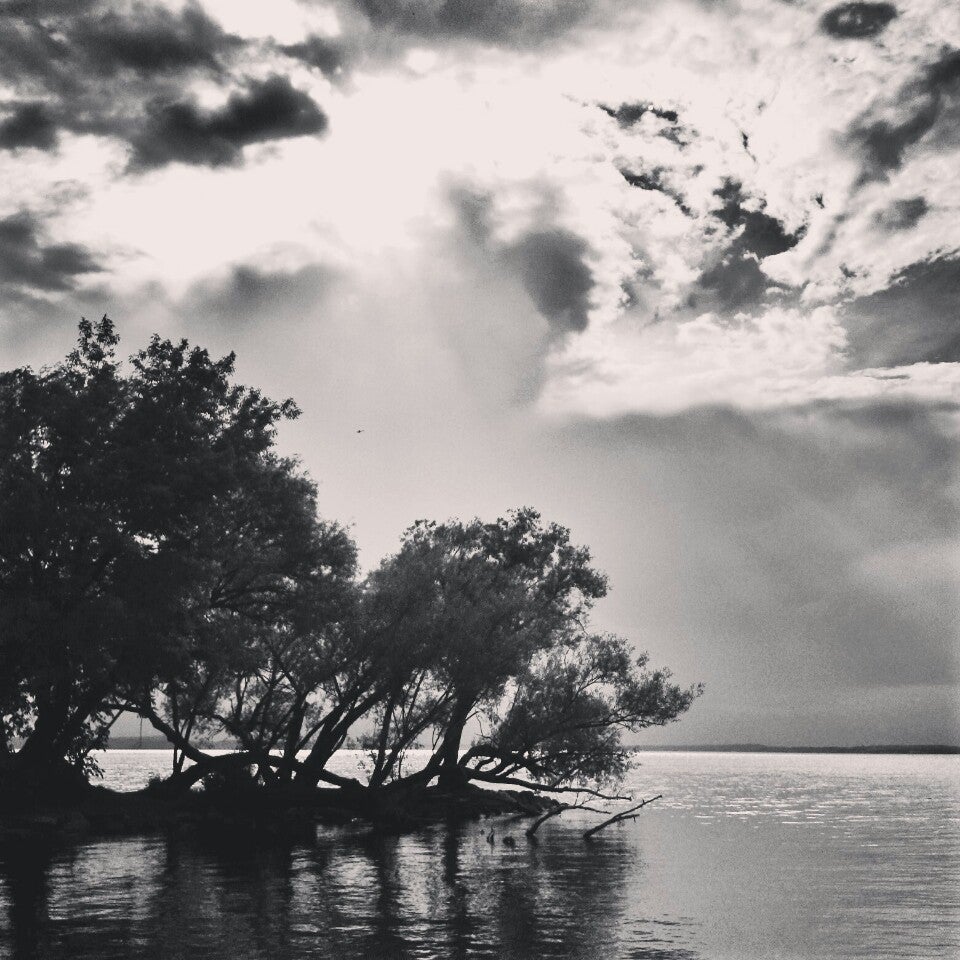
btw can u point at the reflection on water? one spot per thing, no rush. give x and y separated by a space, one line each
748 856
445 892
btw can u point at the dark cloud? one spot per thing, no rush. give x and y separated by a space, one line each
328 55
653 180
38 9
507 22
857 20
551 262
181 132
504 302
883 143
629 114
59 51
150 40
29 125
26 261
229 311
644 181
95 73
916 318
250 295
903 214
945 72
736 279
32 56
760 233
930 102
552 266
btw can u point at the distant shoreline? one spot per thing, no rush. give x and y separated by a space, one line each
920 748
159 743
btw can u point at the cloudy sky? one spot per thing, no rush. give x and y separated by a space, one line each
684 276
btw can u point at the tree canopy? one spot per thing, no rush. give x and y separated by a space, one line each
145 524
158 556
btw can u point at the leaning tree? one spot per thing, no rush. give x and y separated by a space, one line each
491 658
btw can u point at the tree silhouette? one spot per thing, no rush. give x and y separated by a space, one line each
145 523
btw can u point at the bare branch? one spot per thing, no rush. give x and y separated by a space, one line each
556 811
630 814
474 774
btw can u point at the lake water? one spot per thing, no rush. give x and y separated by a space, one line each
810 856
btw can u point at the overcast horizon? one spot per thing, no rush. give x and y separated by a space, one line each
684 277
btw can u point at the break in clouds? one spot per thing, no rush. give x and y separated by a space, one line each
687 270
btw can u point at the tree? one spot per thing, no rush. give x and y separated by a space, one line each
488 623
560 726
507 592
272 587
445 624
135 503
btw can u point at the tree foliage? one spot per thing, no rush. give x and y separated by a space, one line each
474 604
145 525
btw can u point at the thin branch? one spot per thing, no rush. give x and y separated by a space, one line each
630 814
556 811
474 774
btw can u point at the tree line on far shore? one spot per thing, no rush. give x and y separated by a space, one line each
158 557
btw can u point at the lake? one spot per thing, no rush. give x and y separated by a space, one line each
748 855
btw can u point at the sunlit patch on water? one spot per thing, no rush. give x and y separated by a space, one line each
747 856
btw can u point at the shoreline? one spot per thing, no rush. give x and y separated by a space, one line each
893 749
99 811
935 749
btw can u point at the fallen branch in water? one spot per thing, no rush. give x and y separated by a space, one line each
556 811
630 814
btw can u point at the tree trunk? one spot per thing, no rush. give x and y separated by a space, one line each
41 763
450 776
308 776
40 748
329 739
59 724
291 742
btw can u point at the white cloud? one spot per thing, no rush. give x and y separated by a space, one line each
783 357
764 98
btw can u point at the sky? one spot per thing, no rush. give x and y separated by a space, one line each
683 276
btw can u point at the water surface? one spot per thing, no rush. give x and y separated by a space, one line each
747 856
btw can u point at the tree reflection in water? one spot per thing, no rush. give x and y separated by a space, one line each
442 892
25 888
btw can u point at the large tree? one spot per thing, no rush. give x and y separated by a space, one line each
441 629
488 629
145 521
